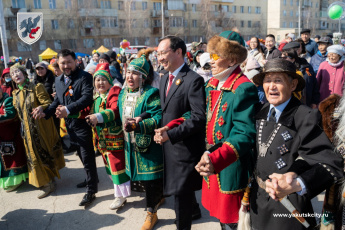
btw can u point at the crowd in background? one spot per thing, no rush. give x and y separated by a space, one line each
140 112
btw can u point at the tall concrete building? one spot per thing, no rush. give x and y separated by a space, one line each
283 16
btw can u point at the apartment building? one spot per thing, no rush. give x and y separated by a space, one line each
283 17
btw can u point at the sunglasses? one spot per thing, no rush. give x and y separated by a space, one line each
215 57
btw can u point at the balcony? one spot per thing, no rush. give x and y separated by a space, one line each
218 14
97 12
158 13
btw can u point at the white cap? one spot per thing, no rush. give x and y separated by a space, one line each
204 58
291 35
337 49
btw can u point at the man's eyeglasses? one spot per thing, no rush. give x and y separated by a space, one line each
163 53
215 57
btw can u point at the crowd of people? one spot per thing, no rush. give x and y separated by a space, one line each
239 120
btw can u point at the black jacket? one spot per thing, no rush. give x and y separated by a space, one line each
274 53
308 153
48 82
311 91
187 141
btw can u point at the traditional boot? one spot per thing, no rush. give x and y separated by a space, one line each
46 190
117 203
14 187
151 220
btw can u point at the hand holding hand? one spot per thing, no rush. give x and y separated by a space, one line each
61 112
205 166
281 185
38 112
92 120
161 135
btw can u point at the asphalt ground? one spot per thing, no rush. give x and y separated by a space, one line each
23 211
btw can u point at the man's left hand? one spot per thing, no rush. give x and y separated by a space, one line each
282 185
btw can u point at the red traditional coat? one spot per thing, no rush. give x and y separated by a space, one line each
232 127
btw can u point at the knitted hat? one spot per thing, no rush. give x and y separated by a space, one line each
140 65
111 54
7 70
102 70
105 56
279 65
337 49
291 35
233 36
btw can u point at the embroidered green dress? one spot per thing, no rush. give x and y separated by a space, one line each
144 158
110 135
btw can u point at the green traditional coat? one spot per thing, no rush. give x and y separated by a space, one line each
110 135
144 159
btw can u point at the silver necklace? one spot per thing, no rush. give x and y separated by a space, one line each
263 147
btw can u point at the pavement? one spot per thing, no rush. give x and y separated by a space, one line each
22 210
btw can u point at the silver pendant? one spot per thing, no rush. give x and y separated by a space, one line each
262 150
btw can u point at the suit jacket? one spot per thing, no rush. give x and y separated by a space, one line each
82 97
186 142
302 147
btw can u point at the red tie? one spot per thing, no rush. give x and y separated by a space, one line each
171 78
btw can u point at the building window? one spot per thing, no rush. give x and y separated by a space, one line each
157 6
225 8
146 23
297 2
72 44
43 45
193 7
157 40
132 5
316 5
37 4
234 9
296 13
195 23
242 23
109 22
242 9
89 43
122 23
68 4
291 13
105 5
284 12
134 23
107 42
52 4
23 46
18 4
291 2
249 24
144 5
176 21
70 24
284 2
55 24
12 23
120 5
57 44
315 14
249 9
258 10
311 4
136 41
291 24
147 41
284 25
157 23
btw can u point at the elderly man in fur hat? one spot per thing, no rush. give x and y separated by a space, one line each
230 131
295 159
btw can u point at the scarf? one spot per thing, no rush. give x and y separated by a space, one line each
223 76
25 83
336 64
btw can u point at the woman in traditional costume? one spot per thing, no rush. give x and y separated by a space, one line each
13 169
42 143
107 125
230 131
141 113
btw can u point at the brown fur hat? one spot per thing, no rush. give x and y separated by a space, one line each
227 49
147 52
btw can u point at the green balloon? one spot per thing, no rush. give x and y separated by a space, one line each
335 12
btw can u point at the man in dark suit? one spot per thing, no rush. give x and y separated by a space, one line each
181 91
74 94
